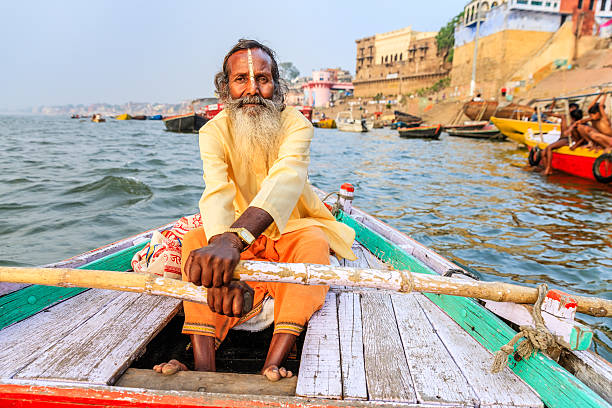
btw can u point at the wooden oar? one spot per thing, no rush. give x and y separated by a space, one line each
308 274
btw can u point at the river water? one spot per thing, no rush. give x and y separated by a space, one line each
68 186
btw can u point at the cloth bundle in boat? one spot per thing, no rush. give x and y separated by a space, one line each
162 255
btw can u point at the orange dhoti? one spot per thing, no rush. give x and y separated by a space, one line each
293 304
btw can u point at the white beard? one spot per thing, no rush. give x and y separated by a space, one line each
256 133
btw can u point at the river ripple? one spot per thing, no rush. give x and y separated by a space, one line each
67 186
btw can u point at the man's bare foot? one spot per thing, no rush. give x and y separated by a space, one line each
273 373
171 367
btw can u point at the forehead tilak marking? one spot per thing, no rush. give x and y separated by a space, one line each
251 73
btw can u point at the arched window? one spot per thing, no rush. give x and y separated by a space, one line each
400 56
395 57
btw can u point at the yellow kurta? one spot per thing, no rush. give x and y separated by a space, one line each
283 191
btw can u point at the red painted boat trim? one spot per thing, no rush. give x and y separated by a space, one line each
580 166
576 165
39 396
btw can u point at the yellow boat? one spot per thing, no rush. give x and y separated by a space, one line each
125 116
516 129
327 124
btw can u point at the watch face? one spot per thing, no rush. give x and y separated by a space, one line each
246 236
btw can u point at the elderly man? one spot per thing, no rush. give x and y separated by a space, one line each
257 205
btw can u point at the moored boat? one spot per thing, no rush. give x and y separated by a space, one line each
516 129
346 123
581 162
484 110
155 117
407 117
486 132
186 123
468 125
400 124
139 117
123 116
369 347
97 118
422 132
325 124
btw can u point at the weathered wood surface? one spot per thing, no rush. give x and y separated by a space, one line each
351 346
591 369
24 342
436 376
320 369
503 389
6 288
220 383
387 373
103 346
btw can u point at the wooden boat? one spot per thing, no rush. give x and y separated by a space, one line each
139 117
74 347
423 132
346 123
516 129
123 116
97 118
468 125
186 123
406 117
486 132
326 124
483 110
401 124
581 162
155 117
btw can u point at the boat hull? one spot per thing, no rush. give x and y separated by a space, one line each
516 129
579 162
486 109
188 123
493 134
470 126
425 132
326 124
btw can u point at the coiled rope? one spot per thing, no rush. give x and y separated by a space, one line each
538 338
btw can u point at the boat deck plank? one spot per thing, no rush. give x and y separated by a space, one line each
320 374
24 342
103 346
351 346
387 373
436 376
504 389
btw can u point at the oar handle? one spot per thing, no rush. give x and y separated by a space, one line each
307 274
113 280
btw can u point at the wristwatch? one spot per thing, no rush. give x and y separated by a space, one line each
244 234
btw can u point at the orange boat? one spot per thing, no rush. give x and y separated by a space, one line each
581 162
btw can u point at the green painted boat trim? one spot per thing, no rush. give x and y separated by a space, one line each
30 300
555 385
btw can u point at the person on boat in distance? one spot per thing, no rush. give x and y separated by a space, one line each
257 205
599 134
575 115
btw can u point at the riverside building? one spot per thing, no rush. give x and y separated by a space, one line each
398 62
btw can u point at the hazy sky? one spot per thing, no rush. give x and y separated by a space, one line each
60 52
